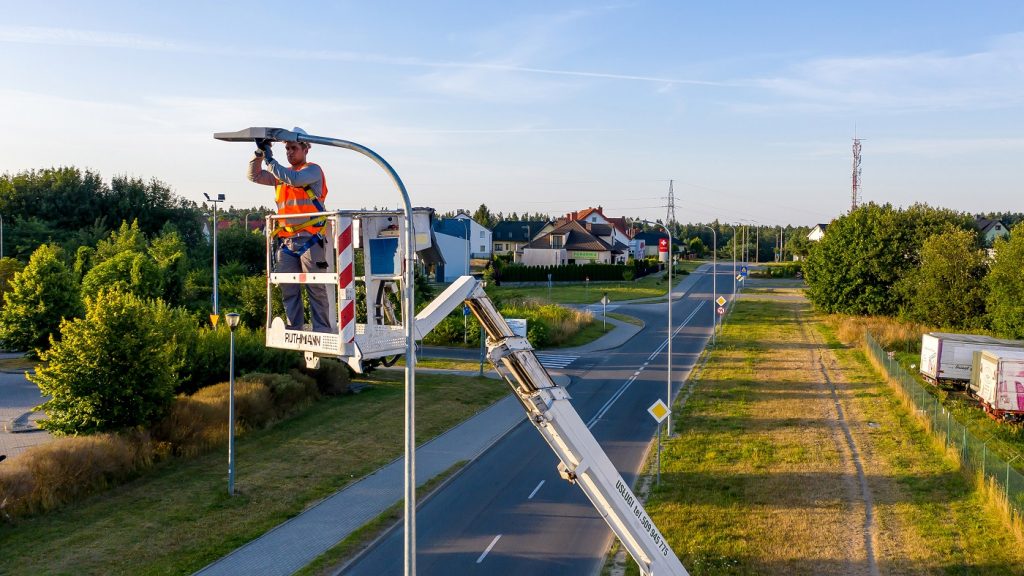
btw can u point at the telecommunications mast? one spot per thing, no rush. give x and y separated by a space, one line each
855 189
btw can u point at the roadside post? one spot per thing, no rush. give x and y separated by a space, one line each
586 282
549 286
659 411
604 311
216 298
465 324
232 319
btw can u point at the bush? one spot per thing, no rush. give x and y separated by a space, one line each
113 369
209 359
39 298
50 475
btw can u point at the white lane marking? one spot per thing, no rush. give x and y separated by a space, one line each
493 542
618 393
556 360
637 373
534 493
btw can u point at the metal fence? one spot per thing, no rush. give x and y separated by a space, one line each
975 453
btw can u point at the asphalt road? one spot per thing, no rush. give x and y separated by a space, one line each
508 512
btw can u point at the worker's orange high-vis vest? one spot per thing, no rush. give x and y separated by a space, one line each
299 200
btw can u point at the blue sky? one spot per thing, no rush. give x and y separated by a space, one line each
536 106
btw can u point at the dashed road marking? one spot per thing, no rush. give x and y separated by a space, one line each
491 545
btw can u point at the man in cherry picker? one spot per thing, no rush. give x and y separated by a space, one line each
298 191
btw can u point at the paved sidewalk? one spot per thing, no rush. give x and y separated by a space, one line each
292 545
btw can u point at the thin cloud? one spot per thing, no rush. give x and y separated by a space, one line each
127 41
988 79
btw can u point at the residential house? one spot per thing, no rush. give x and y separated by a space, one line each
817 233
612 231
990 230
460 240
573 242
510 236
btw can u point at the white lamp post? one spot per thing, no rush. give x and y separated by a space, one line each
408 310
668 379
714 283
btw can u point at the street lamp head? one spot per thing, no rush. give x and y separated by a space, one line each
207 196
233 319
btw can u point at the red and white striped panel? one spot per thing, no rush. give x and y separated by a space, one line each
346 282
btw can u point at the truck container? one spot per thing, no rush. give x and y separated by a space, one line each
948 357
1001 383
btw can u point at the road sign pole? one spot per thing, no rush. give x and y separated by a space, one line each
659 454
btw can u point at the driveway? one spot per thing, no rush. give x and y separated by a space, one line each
17 428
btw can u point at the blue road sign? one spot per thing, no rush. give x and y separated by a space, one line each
465 310
743 270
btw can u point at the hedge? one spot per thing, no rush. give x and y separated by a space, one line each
572 272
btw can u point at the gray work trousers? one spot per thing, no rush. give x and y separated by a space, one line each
292 293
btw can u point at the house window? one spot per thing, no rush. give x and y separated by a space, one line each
556 241
481 233
498 247
483 248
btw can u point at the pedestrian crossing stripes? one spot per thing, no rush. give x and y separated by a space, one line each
549 360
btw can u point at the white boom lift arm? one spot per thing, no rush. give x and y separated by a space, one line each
582 460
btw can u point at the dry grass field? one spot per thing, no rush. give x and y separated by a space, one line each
792 457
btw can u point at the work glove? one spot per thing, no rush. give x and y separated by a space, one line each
263 146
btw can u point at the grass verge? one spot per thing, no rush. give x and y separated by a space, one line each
759 478
328 562
650 286
626 318
162 523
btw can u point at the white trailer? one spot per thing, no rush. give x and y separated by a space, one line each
948 357
388 331
1001 383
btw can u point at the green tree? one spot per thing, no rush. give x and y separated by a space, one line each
129 271
39 296
170 255
1005 284
854 268
947 289
697 246
127 238
236 244
114 368
8 268
484 217
799 245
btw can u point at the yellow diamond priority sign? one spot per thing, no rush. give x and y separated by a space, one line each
659 410
720 301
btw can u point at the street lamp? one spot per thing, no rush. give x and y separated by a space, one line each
668 378
216 301
465 318
1 236
714 282
232 319
733 260
247 219
408 310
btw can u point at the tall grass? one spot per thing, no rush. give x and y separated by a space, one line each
547 324
51 475
891 333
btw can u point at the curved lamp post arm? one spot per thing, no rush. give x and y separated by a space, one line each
408 303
